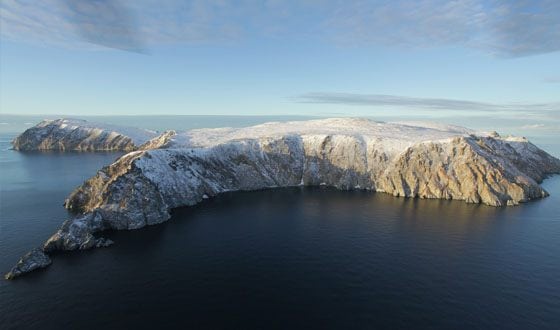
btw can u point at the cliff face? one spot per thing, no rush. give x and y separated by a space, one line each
79 135
142 187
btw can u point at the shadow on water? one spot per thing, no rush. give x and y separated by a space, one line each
319 257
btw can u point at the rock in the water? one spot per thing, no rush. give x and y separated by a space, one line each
34 259
103 242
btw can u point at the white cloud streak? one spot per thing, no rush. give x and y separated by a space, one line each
534 126
416 103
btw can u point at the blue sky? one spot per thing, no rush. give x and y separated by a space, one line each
426 58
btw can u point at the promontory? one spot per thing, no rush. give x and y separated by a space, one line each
175 169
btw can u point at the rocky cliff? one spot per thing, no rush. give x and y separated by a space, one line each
80 135
181 169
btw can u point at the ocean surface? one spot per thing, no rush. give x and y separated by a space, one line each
284 258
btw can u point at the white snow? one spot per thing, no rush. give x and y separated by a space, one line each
138 135
391 137
387 137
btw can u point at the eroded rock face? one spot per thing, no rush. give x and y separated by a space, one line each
142 187
466 169
34 259
80 135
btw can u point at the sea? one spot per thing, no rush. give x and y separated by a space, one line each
291 258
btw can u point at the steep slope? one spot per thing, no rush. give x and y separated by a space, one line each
80 135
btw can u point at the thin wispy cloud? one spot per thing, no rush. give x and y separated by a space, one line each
504 28
121 24
416 103
105 22
552 80
552 127
534 126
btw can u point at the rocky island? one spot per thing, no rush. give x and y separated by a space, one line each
176 169
80 135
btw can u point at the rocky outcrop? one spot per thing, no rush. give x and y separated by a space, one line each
77 234
142 187
34 259
80 135
161 141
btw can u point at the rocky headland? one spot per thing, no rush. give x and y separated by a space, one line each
407 159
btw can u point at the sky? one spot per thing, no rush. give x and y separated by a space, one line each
412 59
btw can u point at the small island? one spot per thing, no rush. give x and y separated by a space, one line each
164 171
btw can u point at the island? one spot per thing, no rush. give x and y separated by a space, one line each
80 135
177 169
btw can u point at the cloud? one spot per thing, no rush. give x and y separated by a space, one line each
105 22
34 22
504 28
125 24
534 126
552 127
527 27
551 80
415 103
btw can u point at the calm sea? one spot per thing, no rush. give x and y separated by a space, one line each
286 258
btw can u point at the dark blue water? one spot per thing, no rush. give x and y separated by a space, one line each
287 258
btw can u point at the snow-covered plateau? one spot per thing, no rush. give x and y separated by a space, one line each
174 169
